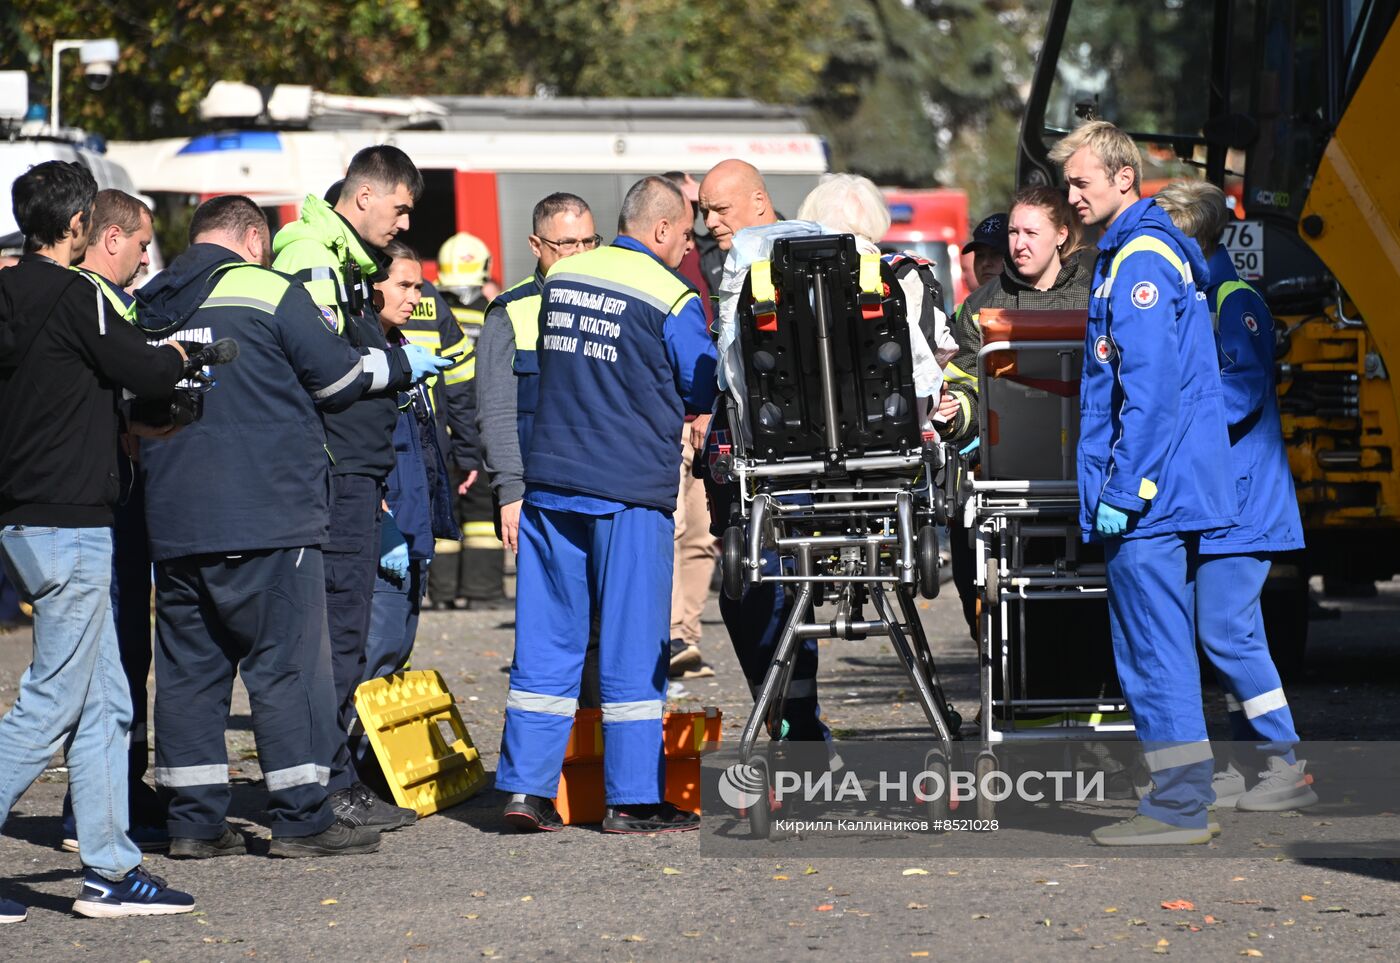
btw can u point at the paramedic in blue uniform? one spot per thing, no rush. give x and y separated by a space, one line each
1154 458
623 357
1235 561
239 574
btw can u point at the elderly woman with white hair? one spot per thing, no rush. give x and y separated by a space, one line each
840 204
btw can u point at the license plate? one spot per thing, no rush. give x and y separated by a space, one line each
1245 242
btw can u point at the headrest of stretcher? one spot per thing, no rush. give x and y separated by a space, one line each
1019 324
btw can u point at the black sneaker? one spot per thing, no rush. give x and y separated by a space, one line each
659 817
529 814
359 806
230 843
498 604
138 894
341 839
684 656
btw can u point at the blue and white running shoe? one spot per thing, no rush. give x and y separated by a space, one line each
12 912
138 894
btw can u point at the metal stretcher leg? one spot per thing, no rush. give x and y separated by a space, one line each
774 688
929 698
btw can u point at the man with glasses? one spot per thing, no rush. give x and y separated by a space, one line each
507 382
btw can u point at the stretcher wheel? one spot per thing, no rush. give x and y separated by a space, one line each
937 764
761 812
985 766
940 506
732 562
928 562
993 580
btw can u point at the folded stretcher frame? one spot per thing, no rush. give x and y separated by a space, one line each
1022 507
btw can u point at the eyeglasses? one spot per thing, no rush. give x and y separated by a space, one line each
569 245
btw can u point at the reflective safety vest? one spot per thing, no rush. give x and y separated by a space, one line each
609 397
522 304
424 329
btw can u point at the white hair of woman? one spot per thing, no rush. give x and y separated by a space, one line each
850 204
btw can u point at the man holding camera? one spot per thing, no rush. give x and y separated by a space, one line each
65 356
243 495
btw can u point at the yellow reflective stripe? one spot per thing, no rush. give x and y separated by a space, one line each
1145 242
761 281
466 316
465 371
630 271
446 546
1147 490
870 282
965 406
1228 288
422 337
955 374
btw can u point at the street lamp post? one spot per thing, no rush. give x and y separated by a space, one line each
99 59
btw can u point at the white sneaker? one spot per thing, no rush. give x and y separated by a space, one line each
1229 786
1280 788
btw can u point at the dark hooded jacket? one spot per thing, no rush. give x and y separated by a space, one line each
253 473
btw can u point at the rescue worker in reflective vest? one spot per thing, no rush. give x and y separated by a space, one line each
121 232
1153 465
335 253
507 377
622 358
1235 561
469 573
239 580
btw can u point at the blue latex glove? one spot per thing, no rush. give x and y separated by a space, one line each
393 551
423 362
1110 521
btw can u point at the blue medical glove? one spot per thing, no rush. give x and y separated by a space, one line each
423 362
1110 521
393 551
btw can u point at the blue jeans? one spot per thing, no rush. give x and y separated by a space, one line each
74 694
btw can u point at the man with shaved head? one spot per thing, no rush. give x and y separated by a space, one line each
733 197
623 355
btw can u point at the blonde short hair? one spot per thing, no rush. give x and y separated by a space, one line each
1114 149
1198 208
848 203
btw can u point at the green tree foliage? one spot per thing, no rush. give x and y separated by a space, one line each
915 92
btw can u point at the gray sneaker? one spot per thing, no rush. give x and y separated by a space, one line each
1281 787
1229 786
1142 830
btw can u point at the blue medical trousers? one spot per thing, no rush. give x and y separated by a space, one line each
1151 609
569 565
261 615
1230 625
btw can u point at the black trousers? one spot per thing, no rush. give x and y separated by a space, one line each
477 570
351 562
260 615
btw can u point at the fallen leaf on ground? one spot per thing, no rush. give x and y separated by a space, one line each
1306 898
470 916
918 906
825 908
780 876
1110 909
919 953
526 899
634 938
670 871
1164 942
915 872
329 902
1178 904
1210 919
477 893
691 933
810 871
984 916
1250 952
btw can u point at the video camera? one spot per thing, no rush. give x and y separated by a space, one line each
186 403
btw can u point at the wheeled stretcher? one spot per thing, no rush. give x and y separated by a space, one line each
1046 658
833 470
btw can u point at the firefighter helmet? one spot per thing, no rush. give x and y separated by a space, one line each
464 261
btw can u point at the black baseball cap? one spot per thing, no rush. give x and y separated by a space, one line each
991 232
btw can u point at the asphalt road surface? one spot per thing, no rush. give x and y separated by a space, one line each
458 886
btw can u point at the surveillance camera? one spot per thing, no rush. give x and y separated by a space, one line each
98 75
99 61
